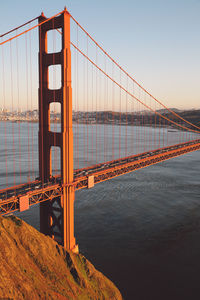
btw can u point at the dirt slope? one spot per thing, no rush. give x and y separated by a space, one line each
33 266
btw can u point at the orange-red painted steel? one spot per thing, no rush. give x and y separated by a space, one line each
99 173
134 97
56 195
59 226
128 76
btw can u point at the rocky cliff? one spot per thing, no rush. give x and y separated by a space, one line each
33 266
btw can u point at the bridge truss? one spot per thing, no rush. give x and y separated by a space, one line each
112 126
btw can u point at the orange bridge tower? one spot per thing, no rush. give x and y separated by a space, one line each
57 215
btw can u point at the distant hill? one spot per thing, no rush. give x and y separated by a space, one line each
33 266
163 110
193 116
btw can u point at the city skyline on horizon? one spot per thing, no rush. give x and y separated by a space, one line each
170 73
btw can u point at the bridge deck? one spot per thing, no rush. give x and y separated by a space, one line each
37 192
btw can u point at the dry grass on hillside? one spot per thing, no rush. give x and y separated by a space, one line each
33 266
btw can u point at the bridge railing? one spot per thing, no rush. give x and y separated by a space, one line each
113 115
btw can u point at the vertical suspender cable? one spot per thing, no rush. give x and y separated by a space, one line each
84 113
126 145
31 96
132 124
42 121
96 105
104 108
12 101
92 105
113 101
5 123
87 100
120 111
27 106
19 137
74 110
100 114
77 84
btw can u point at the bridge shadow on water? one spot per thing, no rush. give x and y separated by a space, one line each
142 230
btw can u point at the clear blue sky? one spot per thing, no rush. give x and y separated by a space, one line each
156 41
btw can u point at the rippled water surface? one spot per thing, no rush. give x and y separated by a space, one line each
142 229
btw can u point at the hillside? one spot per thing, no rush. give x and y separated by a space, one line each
33 266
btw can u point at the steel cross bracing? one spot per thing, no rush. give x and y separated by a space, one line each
37 192
56 193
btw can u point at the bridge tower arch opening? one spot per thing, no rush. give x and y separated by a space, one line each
56 215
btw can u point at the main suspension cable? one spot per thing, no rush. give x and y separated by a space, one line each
127 74
126 91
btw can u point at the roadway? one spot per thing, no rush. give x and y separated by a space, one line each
37 192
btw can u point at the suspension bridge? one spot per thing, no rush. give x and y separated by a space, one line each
72 117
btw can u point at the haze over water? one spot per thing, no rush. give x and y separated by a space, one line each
142 229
